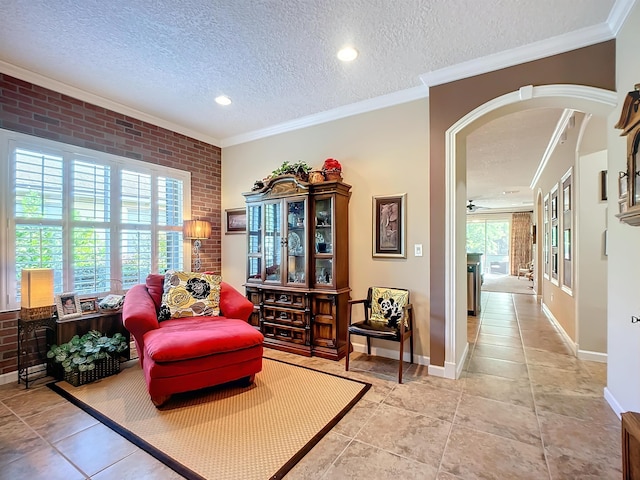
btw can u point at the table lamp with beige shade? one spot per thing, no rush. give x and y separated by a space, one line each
36 293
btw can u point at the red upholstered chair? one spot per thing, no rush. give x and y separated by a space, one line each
189 353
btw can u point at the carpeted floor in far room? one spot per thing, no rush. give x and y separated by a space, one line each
507 284
524 409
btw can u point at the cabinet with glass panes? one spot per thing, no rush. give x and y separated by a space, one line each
298 265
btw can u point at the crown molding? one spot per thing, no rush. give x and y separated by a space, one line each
389 100
553 143
527 53
82 95
618 14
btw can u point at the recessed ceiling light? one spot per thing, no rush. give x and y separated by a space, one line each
223 100
347 54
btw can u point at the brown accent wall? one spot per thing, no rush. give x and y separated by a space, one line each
37 111
591 66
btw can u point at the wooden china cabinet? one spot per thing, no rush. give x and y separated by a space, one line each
298 265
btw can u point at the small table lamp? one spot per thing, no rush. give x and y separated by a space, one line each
196 230
36 293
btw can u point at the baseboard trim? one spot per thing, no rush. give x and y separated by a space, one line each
613 403
389 353
10 377
592 356
569 341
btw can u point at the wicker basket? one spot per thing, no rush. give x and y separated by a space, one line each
104 368
331 175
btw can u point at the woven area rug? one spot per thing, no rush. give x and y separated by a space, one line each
258 432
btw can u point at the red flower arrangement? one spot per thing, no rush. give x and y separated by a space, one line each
331 165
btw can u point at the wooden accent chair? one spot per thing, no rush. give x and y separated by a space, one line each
388 315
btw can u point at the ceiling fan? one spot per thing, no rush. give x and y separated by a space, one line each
472 207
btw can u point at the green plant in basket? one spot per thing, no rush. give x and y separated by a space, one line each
80 353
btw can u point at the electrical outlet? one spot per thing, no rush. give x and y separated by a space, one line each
417 249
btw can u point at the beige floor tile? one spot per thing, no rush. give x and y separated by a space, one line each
589 441
425 399
403 433
320 458
17 440
34 401
95 448
60 422
471 454
41 463
488 339
356 418
419 373
545 358
514 354
584 407
498 418
360 461
557 381
565 467
508 331
517 392
498 367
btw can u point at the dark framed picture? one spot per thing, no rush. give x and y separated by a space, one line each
603 185
389 226
236 220
68 305
89 305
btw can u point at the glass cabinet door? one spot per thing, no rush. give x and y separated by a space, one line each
323 242
254 242
296 241
272 241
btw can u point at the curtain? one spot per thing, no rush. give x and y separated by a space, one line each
520 245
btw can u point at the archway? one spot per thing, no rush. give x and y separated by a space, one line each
587 99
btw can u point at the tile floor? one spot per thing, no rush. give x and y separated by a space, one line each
523 409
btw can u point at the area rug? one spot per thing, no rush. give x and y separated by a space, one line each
244 433
507 284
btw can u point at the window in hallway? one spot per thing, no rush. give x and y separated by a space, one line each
490 236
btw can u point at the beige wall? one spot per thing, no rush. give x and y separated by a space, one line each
382 152
623 384
591 267
560 303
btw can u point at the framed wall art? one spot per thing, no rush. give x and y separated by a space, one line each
68 306
389 226
236 220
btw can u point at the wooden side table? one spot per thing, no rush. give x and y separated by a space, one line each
27 330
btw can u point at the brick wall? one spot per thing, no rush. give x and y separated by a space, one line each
40 112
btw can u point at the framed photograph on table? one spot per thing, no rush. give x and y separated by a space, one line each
236 220
89 305
68 305
389 226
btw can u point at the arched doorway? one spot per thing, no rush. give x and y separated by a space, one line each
578 97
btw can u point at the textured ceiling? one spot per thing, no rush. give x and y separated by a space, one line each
168 59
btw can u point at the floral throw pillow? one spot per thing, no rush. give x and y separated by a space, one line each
188 294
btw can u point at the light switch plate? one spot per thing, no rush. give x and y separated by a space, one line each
417 249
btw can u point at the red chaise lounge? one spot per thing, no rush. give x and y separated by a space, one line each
189 353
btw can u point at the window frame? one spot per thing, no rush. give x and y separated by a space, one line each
10 141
